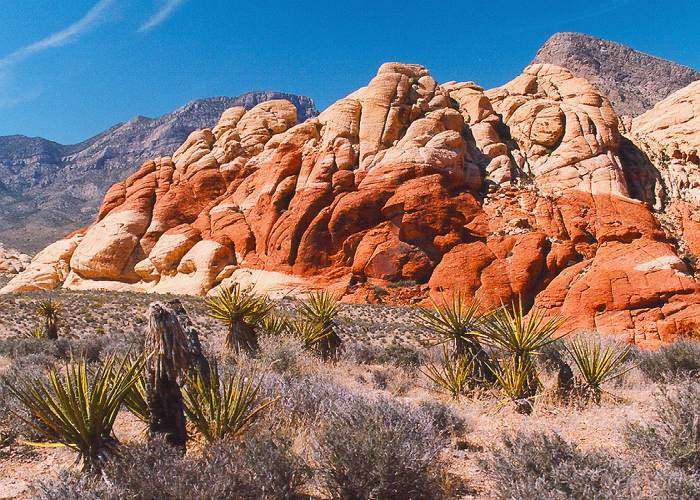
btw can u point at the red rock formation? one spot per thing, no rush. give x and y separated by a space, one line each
514 192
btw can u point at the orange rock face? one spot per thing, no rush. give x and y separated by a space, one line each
515 192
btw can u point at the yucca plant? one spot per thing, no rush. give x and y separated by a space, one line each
36 332
276 324
514 379
596 365
458 322
221 408
321 309
521 335
243 313
78 409
136 399
456 376
311 335
50 311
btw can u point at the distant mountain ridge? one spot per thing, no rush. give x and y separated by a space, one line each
48 189
633 81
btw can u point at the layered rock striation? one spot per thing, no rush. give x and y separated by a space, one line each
513 193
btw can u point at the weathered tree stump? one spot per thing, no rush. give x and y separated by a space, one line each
172 348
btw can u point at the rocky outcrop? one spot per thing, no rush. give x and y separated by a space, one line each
49 189
633 81
667 142
514 192
12 261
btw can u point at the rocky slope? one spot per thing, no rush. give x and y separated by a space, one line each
48 189
631 80
515 192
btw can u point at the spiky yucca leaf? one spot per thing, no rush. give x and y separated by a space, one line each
79 408
309 334
320 307
597 365
458 321
242 312
519 334
35 332
276 324
220 408
321 310
49 308
50 311
515 378
456 376
135 398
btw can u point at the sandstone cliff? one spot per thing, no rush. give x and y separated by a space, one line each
518 191
633 81
49 189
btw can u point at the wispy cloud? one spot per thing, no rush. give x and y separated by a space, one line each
163 13
62 37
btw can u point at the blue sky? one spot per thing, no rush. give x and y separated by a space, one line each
71 68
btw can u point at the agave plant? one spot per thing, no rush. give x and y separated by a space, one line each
78 409
456 376
320 310
243 313
220 408
514 379
50 311
597 365
458 322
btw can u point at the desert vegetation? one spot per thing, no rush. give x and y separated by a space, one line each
331 400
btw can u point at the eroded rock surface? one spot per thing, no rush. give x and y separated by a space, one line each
514 192
12 261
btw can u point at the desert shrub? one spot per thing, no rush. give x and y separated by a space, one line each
260 467
299 399
401 355
20 347
552 355
88 348
284 354
678 359
443 417
13 415
672 482
674 436
363 353
377 448
540 465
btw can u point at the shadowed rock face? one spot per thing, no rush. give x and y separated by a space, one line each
515 192
631 80
48 189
